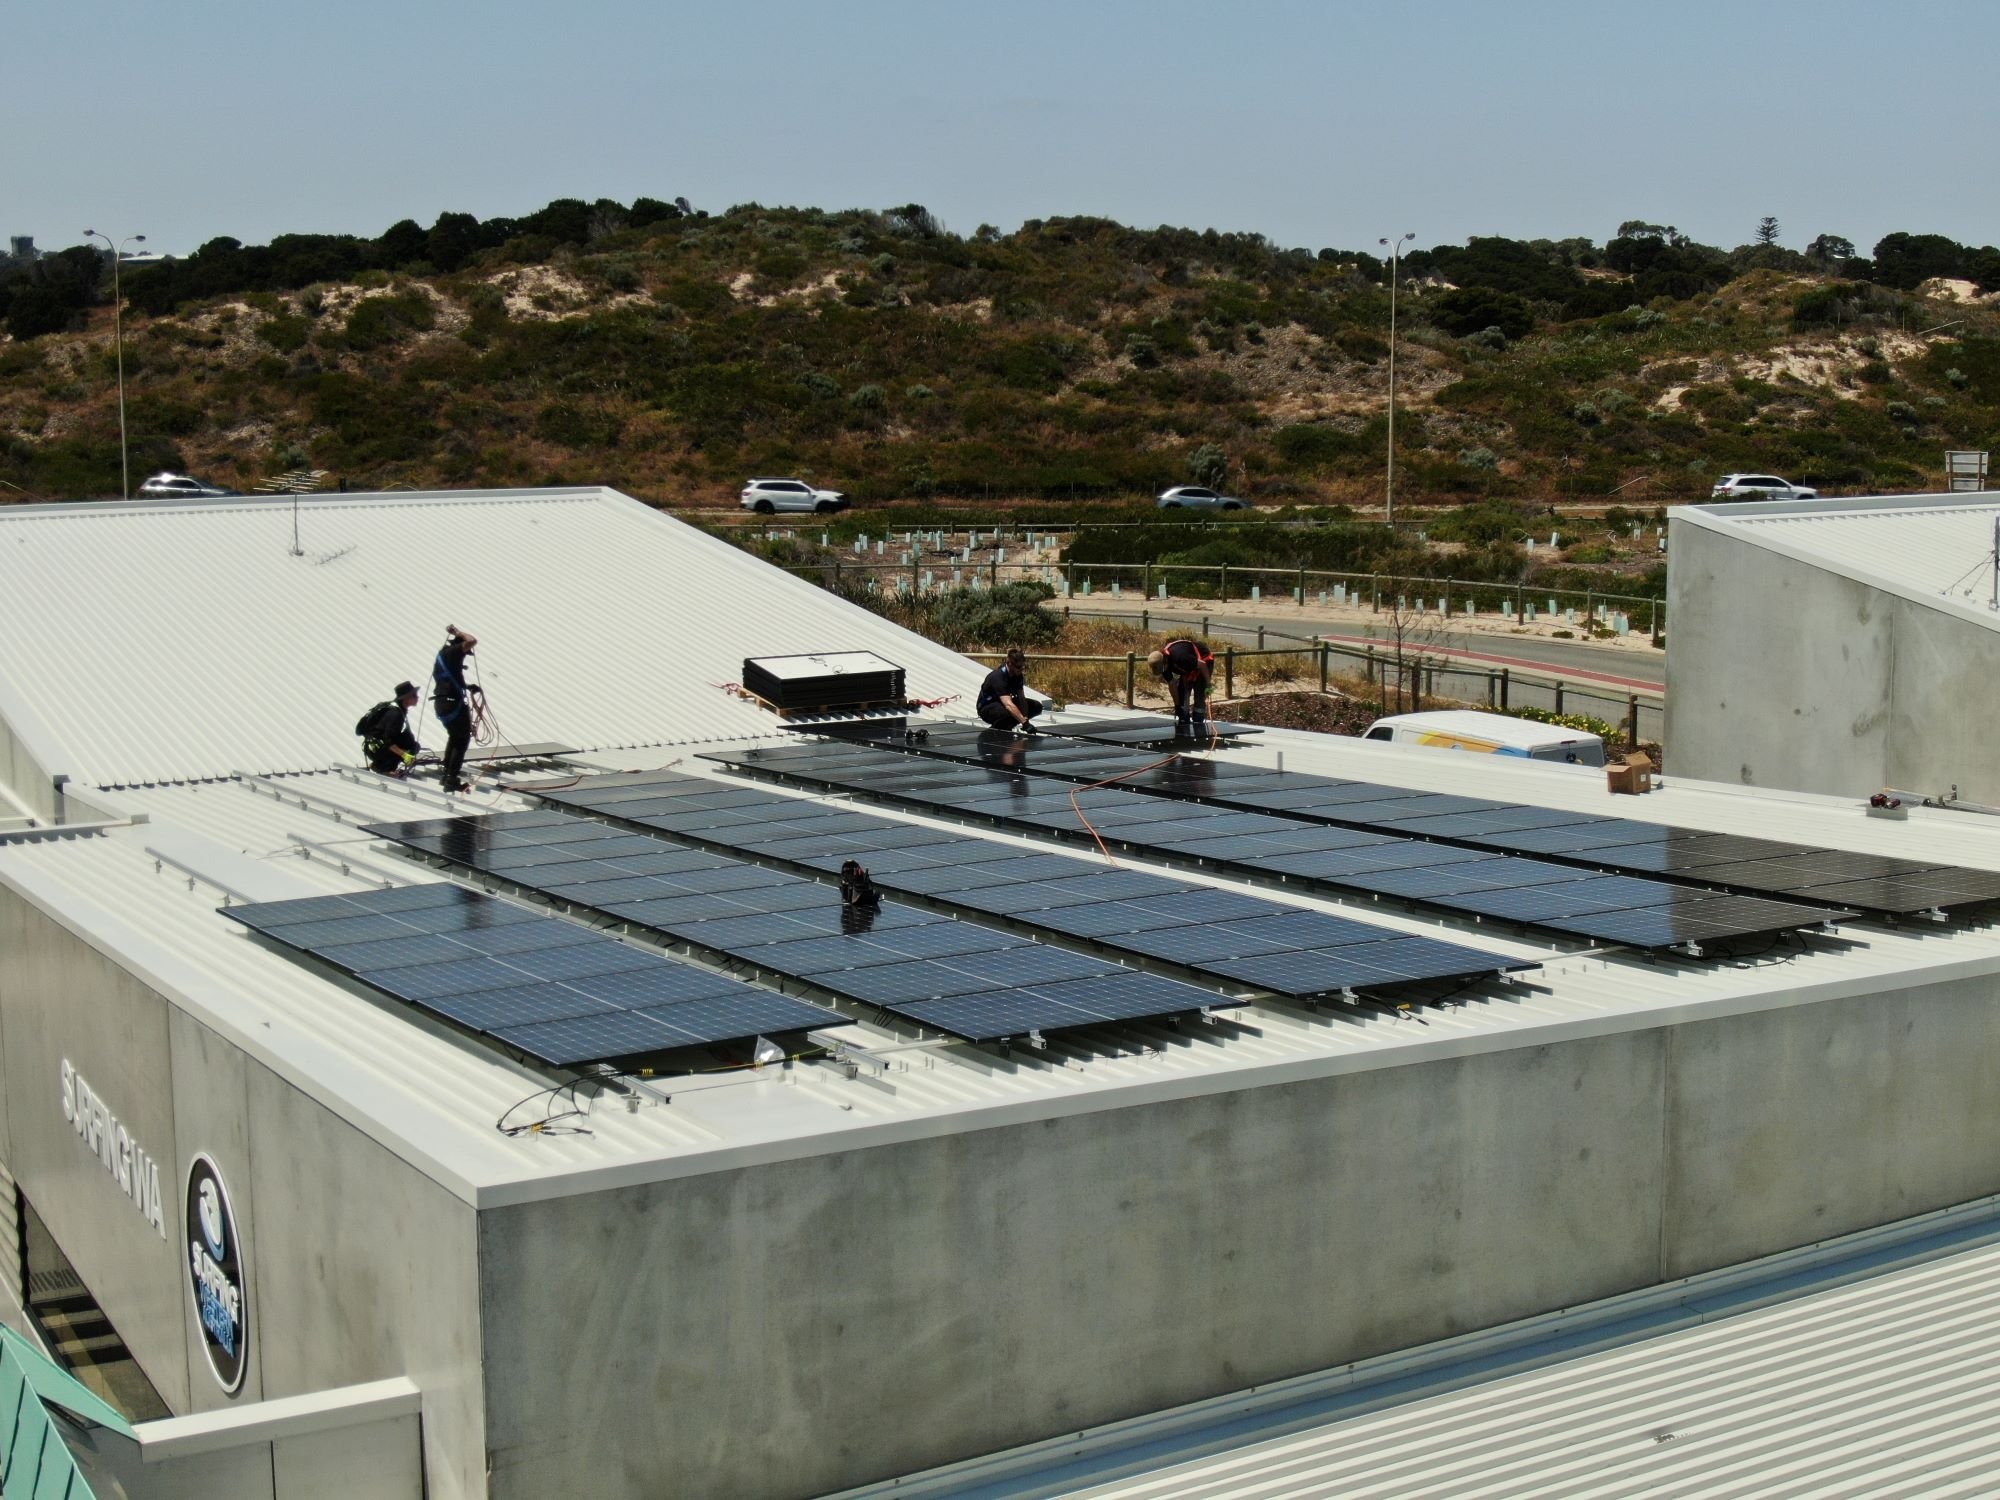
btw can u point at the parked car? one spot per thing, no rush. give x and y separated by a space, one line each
1195 497
1489 734
1759 487
766 496
179 487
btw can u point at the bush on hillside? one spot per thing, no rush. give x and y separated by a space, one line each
1470 310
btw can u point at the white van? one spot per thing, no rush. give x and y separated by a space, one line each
1491 734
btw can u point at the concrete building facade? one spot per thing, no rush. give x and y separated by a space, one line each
1837 646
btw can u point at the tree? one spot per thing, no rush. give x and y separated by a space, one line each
1905 261
1469 310
1209 465
1827 249
452 241
1639 229
1767 230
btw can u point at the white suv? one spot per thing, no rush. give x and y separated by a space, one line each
766 496
1759 487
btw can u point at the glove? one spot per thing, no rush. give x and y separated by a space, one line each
1028 727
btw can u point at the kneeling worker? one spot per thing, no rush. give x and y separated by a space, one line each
1186 667
1003 697
386 741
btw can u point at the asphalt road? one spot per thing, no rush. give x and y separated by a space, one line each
1597 679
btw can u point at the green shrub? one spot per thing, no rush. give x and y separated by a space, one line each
286 333
1478 458
380 321
1469 310
965 619
578 427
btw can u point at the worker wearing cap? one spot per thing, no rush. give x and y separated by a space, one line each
1186 667
1003 697
451 700
386 740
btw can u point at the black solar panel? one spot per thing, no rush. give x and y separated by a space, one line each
781 923
1136 912
549 988
1502 888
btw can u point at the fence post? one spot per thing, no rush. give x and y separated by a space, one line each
1131 676
914 560
1504 673
1369 668
1146 621
1146 587
1520 601
1374 594
1204 627
1229 672
1490 695
836 573
1659 617
1632 720
1322 668
1302 585
1069 580
1589 615
1559 697
1224 591
996 570
1260 637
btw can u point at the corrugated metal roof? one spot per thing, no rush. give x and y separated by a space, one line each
173 641
1936 549
1881 1387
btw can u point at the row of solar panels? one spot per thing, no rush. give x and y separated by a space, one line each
1226 936
1873 883
551 989
1638 912
950 976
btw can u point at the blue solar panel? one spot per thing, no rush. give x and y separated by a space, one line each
549 988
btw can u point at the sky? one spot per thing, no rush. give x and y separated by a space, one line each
1316 124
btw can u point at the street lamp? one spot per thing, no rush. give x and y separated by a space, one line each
1395 256
118 344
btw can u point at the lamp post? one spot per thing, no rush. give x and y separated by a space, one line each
118 345
1395 256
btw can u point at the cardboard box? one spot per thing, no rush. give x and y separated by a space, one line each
1634 777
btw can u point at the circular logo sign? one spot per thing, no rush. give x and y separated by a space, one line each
215 1275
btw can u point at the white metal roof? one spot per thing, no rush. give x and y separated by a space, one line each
1880 1388
1933 549
175 640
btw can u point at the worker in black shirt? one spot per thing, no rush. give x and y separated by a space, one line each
386 741
1186 667
1003 697
451 700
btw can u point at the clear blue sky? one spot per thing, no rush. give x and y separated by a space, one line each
1326 123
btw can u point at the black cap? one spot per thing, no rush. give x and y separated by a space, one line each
406 689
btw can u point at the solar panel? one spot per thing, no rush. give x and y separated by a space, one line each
1121 909
924 958
1497 890
549 988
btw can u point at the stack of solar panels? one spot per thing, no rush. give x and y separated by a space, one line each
824 683
948 976
1878 884
1228 936
1532 893
550 989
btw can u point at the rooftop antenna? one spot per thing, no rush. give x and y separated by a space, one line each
294 482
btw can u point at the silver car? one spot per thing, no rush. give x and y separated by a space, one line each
1759 487
179 487
1196 497
767 496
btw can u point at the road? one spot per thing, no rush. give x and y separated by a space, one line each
1596 679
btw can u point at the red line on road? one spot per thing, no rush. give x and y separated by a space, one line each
1553 669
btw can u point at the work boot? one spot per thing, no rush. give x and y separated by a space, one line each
1181 730
1200 729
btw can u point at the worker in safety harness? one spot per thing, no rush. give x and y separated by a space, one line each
386 742
1186 667
451 700
1003 697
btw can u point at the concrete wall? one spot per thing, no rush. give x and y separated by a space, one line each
797 1328
1788 675
360 1268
